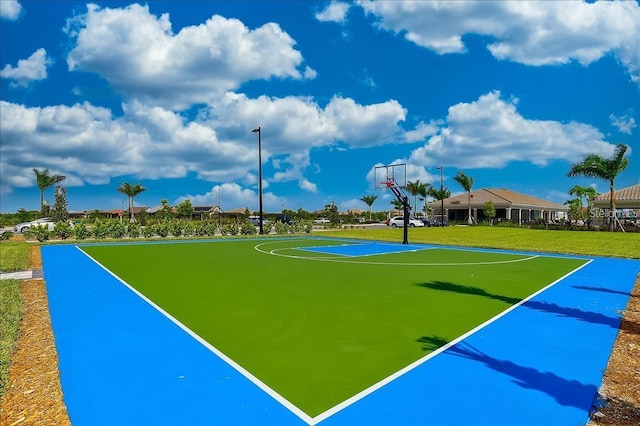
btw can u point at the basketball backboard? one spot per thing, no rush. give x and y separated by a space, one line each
392 175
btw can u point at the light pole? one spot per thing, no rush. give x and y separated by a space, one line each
441 197
218 206
258 130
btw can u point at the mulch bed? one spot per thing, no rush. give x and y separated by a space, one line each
620 391
34 396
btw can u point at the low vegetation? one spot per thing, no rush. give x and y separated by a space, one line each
14 256
10 316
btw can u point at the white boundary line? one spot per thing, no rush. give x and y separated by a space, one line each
272 393
350 259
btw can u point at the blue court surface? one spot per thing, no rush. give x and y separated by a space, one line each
123 362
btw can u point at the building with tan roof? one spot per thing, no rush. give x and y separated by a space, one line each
627 206
510 205
625 198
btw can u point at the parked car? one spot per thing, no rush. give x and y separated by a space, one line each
256 220
398 221
322 220
284 219
426 221
24 227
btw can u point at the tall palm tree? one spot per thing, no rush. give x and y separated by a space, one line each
369 200
423 193
437 194
440 195
46 180
467 183
594 166
131 191
415 188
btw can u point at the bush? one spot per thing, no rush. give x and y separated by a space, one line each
100 229
39 232
200 229
81 231
282 228
189 229
63 230
6 235
229 229
148 230
176 227
162 229
248 228
116 228
307 226
133 229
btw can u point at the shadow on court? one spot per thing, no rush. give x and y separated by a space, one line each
602 289
566 392
561 311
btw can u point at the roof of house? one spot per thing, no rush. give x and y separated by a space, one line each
501 198
625 197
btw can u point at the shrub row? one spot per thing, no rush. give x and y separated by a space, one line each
114 229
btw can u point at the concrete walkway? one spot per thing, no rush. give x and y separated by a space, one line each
22 275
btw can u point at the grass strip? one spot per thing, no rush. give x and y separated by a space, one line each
14 256
588 243
10 316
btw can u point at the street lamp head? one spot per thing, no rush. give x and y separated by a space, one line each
256 130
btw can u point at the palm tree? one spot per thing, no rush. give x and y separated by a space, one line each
424 192
594 166
580 192
397 204
415 188
46 180
369 200
467 183
131 191
440 195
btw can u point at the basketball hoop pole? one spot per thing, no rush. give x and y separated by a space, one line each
404 199
390 182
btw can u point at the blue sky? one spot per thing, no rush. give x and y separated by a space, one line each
166 94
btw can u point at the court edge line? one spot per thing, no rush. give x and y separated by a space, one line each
350 259
253 379
362 394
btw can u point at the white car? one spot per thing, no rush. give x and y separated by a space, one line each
45 221
322 220
256 220
24 227
398 221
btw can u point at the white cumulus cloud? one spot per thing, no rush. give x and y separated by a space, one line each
336 11
34 68
624 124
529 32
490 133
10 9
141 56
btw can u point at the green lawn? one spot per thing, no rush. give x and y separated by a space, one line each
590 243
14 256
303 325
10 315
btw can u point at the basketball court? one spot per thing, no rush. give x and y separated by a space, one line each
132 353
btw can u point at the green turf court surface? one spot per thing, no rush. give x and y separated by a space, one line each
318 326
